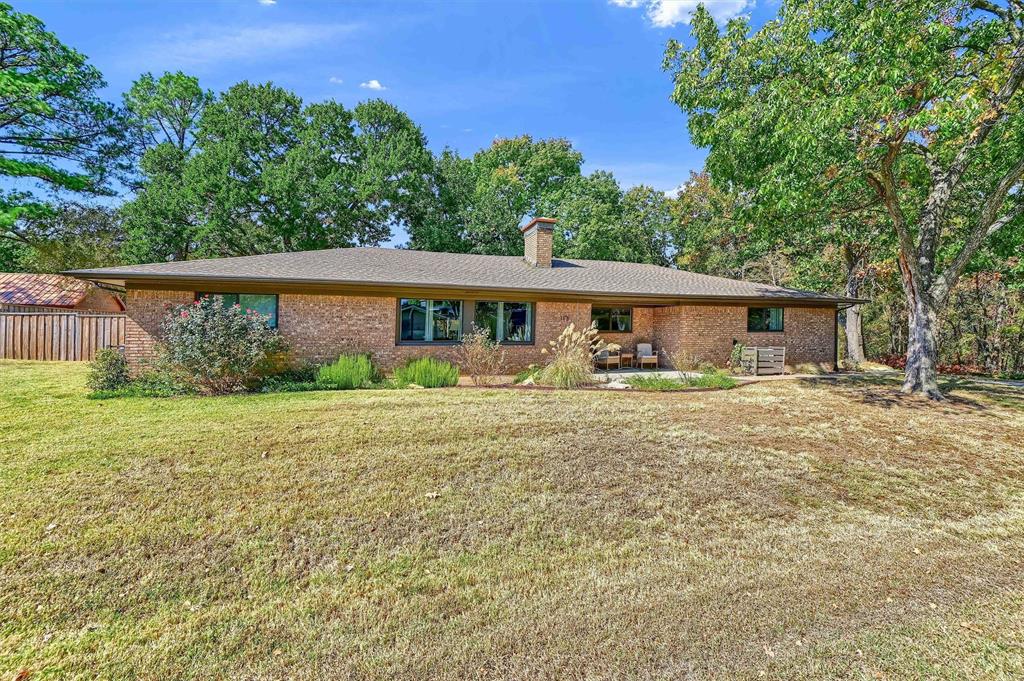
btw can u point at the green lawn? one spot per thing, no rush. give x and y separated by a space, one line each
784 530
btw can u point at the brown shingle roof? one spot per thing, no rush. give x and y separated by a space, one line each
410 269
50 290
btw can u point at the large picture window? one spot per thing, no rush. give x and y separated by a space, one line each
505 322
430 321
612 319
264 303
764 319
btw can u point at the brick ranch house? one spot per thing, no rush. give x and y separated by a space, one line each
399 304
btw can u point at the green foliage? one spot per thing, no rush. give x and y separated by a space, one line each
658 383
736 357
427 372
162 222
266 174
529 372
711 379
217 349
152 383
165 110
838 110
57 133
480 202
348 372
108 371
72 236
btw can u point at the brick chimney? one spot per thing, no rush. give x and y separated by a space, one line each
537 238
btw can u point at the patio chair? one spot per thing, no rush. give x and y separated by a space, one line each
645 356
606 360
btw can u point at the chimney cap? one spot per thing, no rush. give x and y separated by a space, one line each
539 223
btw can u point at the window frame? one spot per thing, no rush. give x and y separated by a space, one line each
468 319
608 316
782 319
532 306
429 324
277 301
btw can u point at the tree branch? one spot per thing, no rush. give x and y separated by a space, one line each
989 222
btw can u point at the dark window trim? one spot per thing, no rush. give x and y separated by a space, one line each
623 307
277 300
425 343
468 317
781 329
533 318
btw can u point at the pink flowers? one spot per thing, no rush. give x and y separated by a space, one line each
184 314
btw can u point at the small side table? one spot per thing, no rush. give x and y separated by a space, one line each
627 358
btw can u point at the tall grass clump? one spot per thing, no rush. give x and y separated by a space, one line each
347 373
572 357
428 373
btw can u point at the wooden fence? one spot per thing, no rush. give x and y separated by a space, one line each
67 336
764 361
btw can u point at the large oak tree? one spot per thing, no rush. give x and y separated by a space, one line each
913 106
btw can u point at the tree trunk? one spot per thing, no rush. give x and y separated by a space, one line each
854 317
854 335
922 353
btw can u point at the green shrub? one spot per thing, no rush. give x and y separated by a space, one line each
154 383
109 371
217 349
655 383
276 384
529 372
428 373
715 379
736 358
347 373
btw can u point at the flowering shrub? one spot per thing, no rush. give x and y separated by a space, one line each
217 349
481 357
572 357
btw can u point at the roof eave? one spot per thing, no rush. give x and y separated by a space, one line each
122 279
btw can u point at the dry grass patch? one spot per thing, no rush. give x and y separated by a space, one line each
791 529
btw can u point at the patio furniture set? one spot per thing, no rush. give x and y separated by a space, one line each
643 358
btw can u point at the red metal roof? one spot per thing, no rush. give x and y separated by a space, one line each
51 290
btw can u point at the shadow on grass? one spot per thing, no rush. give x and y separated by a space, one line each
884 392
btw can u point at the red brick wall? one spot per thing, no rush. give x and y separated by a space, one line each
146 311
643 330
706 332
319 328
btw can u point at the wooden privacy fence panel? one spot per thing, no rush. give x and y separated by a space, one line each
764 361
58 336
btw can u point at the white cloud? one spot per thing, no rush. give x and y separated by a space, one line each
335 80
372 85
207 45
268 3
665 13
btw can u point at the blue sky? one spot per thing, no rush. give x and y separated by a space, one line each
467 72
